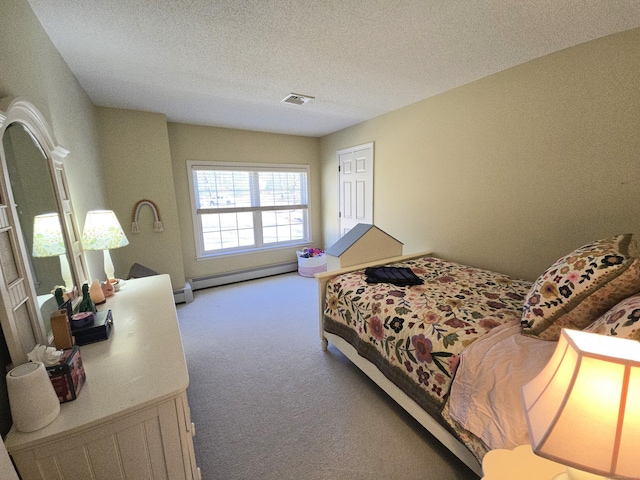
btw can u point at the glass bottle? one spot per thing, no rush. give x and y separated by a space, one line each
86 305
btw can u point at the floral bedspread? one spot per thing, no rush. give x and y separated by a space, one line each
415 334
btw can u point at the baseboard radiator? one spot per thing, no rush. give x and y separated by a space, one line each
183 295
241 276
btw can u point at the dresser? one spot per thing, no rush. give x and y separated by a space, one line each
131 419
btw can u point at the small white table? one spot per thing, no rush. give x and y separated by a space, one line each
519 464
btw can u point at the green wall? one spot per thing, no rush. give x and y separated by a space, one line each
137 163
512 171
507 173
190 142
31 68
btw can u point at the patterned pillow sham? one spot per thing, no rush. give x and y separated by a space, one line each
581 286
622 321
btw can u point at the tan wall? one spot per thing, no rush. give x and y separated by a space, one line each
189 142
507 173
514 170
137 160
31 68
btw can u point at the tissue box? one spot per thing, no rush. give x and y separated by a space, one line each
67 377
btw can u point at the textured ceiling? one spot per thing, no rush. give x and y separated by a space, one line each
229 63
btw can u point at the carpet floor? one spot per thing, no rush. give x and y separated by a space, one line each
269 404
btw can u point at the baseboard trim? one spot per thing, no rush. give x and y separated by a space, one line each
242 275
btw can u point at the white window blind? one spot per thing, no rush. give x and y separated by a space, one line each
248 206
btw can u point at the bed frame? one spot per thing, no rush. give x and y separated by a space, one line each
428 422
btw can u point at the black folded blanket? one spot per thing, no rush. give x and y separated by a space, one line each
400 276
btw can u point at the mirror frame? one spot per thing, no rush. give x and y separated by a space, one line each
17 110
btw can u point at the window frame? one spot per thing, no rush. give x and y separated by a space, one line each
258 246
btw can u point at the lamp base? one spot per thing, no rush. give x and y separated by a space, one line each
108 266
65 271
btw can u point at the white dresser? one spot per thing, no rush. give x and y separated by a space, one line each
131 419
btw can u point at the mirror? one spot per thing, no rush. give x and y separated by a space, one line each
37 210
39 241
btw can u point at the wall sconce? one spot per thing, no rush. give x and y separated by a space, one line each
102 231
49 242
583 409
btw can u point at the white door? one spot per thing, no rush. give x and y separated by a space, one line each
356 186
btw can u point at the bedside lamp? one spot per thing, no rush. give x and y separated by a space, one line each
49 242
102 231
583 409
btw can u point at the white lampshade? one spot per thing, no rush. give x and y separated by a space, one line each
48 241
583 409
102 231
32 399
47 236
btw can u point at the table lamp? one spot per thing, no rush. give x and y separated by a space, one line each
49 242
583 409
102 231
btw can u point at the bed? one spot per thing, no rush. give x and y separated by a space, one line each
454 350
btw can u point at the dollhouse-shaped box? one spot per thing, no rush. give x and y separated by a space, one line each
363 243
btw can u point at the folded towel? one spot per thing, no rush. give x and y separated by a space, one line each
400 276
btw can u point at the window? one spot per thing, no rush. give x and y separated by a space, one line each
242 207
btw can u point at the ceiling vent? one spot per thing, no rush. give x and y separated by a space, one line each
296 99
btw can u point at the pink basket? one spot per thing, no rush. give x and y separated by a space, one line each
308 267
